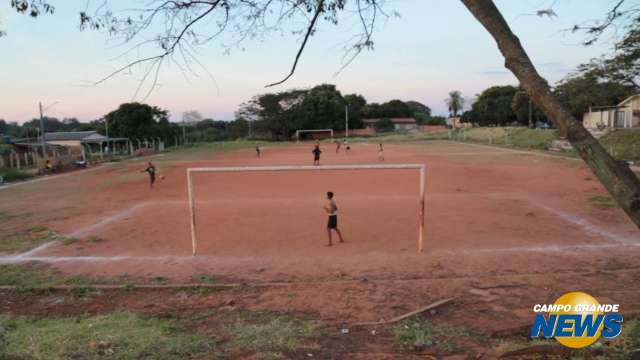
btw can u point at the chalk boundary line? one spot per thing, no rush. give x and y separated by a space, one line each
614 240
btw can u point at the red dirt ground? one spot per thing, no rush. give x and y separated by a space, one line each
494 217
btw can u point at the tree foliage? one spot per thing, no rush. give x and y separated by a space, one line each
138 121
455 102
493 106
384 125
580 91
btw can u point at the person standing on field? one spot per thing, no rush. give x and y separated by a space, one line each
151 170
316 155
258 150
332 210
338 143
381 153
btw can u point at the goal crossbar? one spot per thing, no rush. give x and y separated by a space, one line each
298 132
421 197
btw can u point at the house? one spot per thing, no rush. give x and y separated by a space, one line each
73 138
399 124
625 115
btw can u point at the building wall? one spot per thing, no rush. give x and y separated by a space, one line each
69 143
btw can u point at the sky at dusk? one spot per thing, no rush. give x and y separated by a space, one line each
435 46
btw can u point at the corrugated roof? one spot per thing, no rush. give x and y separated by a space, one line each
394 120
71 135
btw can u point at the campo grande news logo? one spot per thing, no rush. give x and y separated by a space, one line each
577 320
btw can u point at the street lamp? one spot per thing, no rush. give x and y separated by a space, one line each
42 141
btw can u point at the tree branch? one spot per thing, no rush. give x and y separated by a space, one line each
310 30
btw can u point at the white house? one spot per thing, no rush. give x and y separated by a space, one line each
398 123
625 115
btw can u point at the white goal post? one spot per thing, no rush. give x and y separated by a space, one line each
421 196
298 132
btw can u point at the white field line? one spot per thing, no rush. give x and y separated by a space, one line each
546 248
586 225
188 258
528 152
51 177
615 240
106 221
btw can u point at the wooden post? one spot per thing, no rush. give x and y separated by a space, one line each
421 221
11 159
192 211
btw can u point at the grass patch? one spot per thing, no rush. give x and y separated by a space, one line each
14 239
417 334
268 333
520 137
618 348
11 175
205 278
33 277
96 240
120 335
604 202
623 144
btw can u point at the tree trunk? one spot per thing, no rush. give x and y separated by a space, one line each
615 175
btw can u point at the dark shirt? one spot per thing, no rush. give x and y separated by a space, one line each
151 170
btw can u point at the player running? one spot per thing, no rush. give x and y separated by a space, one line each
151 170
332 210
381 153
316 155
258 150
338 143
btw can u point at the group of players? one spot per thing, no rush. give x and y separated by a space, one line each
316 150
330 207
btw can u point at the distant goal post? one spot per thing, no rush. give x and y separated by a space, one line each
298 132
421 194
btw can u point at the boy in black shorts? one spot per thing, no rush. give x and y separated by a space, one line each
152 173
332 210
316 155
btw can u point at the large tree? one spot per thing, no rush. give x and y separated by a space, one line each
580 91
616 176
455 102
136 120
180 25
493 106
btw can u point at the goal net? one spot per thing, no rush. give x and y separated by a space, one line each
316 133
233 196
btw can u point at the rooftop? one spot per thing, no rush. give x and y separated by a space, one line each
394 120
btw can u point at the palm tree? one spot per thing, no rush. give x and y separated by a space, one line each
455 102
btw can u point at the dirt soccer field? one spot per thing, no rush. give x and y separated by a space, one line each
504 229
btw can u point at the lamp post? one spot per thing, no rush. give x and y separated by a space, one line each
42 134
346 120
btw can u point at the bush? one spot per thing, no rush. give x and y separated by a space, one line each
436 120
623 144
384 125
10 175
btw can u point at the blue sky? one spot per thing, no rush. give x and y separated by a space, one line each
434 47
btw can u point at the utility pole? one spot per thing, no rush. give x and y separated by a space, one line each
42 143
346 120
184 133
106 130
530 114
